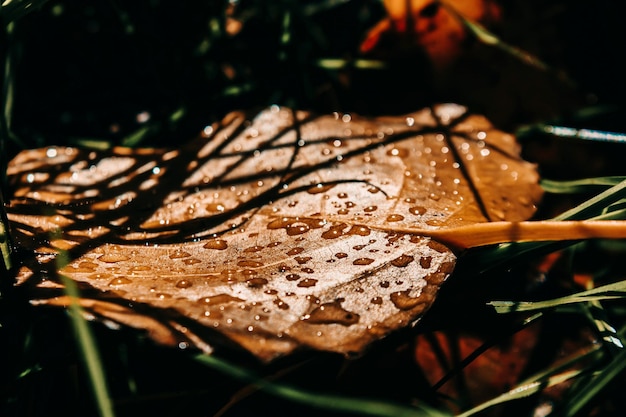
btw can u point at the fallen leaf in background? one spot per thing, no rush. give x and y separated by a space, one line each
491 373
276 231
431 53
428 25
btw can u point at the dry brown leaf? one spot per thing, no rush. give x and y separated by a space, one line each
282 231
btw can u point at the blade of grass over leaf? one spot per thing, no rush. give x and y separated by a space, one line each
7 90
86 342
484 259
5 240
482 234
319 400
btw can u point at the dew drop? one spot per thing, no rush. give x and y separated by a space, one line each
250 264
377 300
307 282
281 304
119 281
362 261
219 299
216 207
402 261
331 313
297 228
249 272
334 232
86 267
425 261
370 209
256 282
217 244
112 257
302 259
295 251
417 210
179 254
253 249
498 213
320 188
395 217
292 277
341 255
401 152
103 275
183 283
359 230
403 301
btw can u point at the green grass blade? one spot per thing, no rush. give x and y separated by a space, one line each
595 205
320 400
339 63
612 291
5 241
584 134
86 343
522 391
587 392
579 186
12 10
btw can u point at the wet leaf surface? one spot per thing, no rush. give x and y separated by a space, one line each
275 230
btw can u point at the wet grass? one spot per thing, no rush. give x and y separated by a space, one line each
102 74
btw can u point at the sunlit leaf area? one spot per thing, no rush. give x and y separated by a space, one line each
302 208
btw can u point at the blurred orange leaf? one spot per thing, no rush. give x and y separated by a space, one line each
428 25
